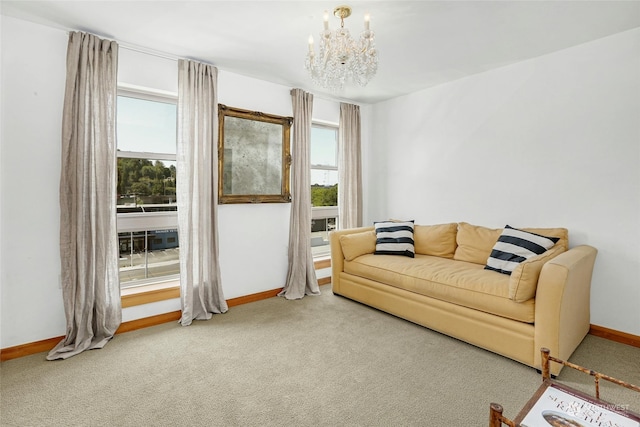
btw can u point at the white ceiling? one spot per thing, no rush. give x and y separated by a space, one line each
420 43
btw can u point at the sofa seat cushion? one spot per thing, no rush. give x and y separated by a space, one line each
458 282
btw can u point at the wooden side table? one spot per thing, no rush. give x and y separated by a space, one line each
557 405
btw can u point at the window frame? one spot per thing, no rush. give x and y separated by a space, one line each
127 222
325 212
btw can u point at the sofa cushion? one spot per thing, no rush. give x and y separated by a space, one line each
524 279
394 238
475 243
356 244
437 240
461 283
561 233
515 246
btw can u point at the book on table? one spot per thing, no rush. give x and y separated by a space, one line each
560 406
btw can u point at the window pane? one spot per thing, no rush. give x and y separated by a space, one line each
324 146
324 195
324 177
148 183
146 126
324 187
148 254
323 225
320 229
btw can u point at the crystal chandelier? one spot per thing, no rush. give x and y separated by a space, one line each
342 59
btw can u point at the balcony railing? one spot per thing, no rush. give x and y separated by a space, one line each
148 256
324 219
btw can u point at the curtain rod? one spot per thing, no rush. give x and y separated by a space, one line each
159 54
146 51
132 47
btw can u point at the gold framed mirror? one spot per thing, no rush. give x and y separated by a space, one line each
254 157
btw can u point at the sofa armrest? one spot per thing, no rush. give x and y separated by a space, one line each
563 298
337 256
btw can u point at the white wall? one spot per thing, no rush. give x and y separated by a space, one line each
253 238
33 70
553 141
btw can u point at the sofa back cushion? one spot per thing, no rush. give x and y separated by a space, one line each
560 233
356 244
436 240
524 279
476 242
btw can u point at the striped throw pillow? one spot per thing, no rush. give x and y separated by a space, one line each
394 238
515 246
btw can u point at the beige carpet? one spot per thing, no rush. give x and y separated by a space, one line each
320 361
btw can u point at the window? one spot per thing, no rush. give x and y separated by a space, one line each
324 186
146 199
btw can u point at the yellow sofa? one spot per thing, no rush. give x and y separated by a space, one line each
543 303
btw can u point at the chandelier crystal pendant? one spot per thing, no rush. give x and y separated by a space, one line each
341 59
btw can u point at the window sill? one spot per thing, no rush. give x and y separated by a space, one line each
150 293
322 262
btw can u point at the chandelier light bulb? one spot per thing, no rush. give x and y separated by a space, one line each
341 59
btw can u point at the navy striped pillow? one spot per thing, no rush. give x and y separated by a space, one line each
394 238
515 246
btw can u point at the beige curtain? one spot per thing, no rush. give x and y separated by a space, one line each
301 276
349 167
197 192
88 234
